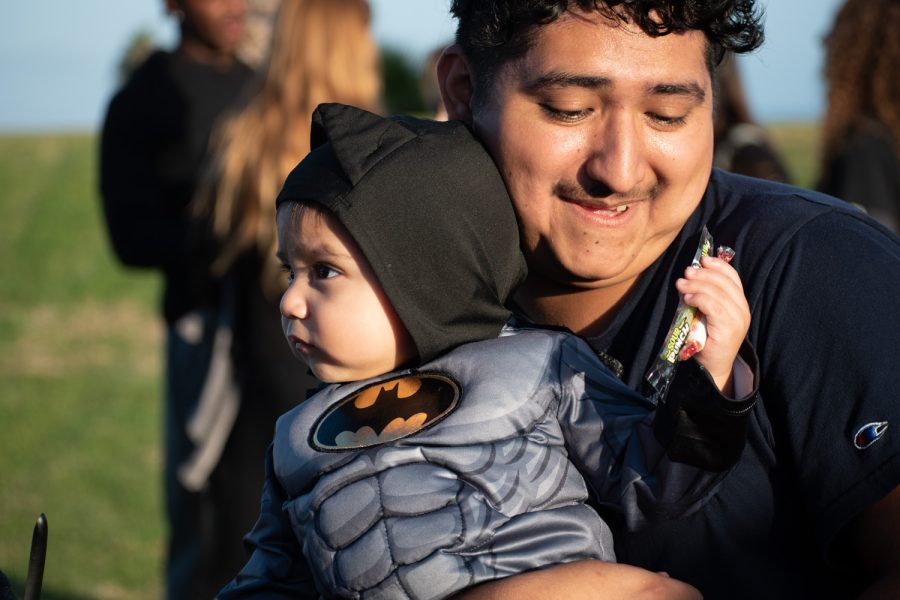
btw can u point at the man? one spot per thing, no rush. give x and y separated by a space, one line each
599 115
154 141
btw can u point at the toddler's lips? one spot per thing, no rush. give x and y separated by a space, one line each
300 346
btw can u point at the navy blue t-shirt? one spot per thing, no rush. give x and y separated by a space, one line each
822 280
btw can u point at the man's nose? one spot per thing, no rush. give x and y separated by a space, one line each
617 157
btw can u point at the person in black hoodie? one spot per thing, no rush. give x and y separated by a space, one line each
154 141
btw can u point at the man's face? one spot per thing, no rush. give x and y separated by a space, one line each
217 24
604 137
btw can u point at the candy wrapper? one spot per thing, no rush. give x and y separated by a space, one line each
687 334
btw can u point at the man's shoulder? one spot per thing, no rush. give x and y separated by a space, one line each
150 72
759 199
765 215
146 88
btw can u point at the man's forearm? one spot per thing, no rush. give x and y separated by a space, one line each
588 579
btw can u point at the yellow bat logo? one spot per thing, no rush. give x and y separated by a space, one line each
386 411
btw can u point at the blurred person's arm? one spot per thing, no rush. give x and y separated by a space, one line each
585 579
146 226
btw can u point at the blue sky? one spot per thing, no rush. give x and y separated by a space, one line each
58 57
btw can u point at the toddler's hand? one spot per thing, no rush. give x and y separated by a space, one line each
716 291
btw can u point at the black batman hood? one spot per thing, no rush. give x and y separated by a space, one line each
427 207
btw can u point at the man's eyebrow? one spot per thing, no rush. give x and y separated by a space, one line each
561 79
679 89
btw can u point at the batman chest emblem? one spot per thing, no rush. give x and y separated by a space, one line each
386 411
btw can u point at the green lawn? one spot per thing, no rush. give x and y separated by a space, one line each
80 349
79 365
798 144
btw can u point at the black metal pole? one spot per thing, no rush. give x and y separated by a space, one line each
36 559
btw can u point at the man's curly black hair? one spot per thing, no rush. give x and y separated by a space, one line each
492 32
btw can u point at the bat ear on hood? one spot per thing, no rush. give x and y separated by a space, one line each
427 207
359 139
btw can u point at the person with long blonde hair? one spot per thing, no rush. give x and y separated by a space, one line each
860 159
322 50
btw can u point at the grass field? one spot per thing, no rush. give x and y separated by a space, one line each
79 366
798 145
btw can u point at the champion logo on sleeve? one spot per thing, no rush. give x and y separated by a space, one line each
869 433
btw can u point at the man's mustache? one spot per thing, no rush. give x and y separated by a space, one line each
596 190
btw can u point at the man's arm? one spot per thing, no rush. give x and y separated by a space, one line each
589 579
873 537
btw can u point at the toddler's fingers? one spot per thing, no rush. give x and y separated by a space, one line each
713 280
721 266
717 310
712 283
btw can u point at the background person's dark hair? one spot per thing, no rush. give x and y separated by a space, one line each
861 55
493 32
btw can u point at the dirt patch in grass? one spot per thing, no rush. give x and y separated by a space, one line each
54 342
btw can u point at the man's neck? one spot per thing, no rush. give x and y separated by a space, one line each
199 52
586 311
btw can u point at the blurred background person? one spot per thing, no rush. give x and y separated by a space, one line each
429 88
257 36
153 144
322 51
741 144
861 128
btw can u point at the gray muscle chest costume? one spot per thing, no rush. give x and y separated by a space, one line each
463 467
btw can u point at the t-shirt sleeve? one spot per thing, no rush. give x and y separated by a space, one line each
276 567
827 329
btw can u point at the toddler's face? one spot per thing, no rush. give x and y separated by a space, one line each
334 314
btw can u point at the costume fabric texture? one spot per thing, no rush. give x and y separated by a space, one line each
820 278
487 489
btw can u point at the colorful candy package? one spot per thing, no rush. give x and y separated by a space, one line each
687 334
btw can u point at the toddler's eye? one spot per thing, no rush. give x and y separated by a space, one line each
287 273
323 271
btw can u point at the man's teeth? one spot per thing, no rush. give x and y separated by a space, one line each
616 209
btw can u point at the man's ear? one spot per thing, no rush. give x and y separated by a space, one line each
457 83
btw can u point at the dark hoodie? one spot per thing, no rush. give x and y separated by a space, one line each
443 241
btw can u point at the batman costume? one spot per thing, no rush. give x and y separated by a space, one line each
465 466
